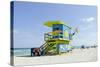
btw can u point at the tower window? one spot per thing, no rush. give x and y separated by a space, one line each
61 36
56 28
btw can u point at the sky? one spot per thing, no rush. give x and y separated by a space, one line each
29 18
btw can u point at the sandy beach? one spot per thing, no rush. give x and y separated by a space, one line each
77 55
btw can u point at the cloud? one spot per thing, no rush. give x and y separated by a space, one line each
88 23
89 19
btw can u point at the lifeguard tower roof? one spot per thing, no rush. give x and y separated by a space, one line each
51 23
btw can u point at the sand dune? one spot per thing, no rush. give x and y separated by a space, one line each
77 55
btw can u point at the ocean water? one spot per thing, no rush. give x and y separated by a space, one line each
21 51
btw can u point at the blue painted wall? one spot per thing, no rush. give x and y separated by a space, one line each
62 28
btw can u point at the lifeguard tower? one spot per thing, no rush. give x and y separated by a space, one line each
56 41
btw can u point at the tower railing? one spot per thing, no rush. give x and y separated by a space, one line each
55 35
